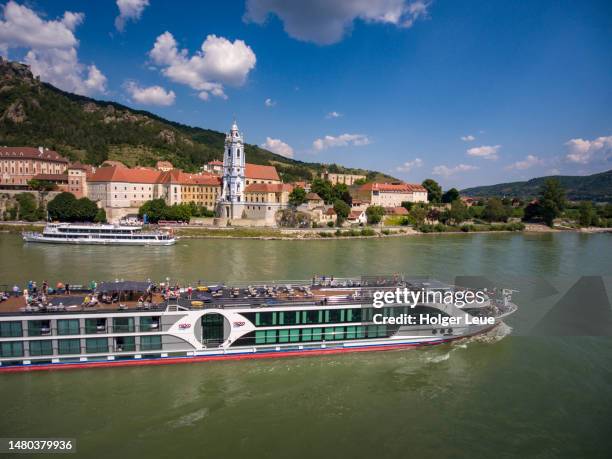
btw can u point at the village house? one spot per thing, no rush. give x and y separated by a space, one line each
335 178
19 165
389 194
357 217
213 167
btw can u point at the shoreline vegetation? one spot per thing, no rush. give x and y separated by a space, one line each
199 232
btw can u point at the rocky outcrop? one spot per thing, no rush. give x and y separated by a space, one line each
167 136
15 112
16 72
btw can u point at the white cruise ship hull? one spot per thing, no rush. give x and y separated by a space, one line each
98 241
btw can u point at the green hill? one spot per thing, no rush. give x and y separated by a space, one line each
34 113
596 187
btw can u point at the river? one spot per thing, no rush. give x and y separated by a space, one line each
512 393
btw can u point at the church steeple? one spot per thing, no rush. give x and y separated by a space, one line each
233 172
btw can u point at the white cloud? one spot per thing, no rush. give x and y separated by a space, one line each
325 22
343 140
468 138
333 115
218 62
485 151
529 161
269 102
52 48
446 171
585 151
152 95
129 10
409 165
278 146
554 171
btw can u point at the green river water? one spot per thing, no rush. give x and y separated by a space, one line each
514 393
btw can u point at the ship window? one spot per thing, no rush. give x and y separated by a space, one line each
10 329
125 344
44 347
307 334
149 323
11 349
283 336
39 327
96 345
329 334
294 335
95 326
339 333
150 343
260 337
123 324
316 334
270 336
68 327
69 346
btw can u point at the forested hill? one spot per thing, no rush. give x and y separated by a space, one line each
596 187
33 113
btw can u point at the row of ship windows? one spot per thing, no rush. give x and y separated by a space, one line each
303 335
14 329
320 316
105 236
12 349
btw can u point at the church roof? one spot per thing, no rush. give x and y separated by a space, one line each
257 171
44 154
124 175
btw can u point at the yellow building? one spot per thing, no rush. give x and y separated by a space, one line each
347 179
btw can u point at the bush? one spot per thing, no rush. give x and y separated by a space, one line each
330 224
368 232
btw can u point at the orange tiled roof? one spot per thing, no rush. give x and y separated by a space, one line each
396 210
330 211
215 162
257 171
268 188
52 177
124 174
31 153
393 187
355 214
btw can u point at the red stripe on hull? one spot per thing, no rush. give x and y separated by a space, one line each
207 358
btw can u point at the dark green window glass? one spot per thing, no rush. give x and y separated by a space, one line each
44 347
95 326
372 331
260 337
283 336
11 349
329 333
96 345
349 315
360 331
125 344
307 334
316 334
68 327
339 333
150 343
149 323
270 336
382 331
69 346
39 327
294 335
10 329
342 315
123 324
350 332
326 316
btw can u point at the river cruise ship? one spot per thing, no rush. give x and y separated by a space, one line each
134 323
68 233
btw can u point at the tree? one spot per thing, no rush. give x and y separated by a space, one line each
100 216
407 205
360 181
418 213
42 185
154 210
342 210
451 195
552 200
495 211
297 196
27 209
587 213
375 214
533 211
85 210
458 212
323 188
62 207
434 191
341 191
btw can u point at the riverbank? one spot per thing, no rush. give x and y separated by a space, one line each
198 232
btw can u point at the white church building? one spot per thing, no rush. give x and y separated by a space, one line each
231 200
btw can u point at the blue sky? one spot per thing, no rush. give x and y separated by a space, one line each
468 93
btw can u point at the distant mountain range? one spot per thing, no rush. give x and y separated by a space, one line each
596 187
33 113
